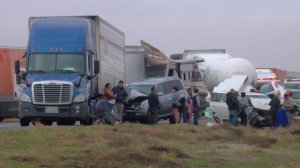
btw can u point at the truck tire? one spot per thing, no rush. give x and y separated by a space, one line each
24 122
87 121
47 122
66 122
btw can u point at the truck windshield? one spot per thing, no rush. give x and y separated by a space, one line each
56 63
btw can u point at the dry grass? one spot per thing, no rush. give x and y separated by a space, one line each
135 145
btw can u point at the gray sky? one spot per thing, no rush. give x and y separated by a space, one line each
267 32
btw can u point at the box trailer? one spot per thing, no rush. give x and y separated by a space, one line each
9 90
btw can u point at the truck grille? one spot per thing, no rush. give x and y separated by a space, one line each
54 93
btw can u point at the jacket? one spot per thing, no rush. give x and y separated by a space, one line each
232 102
121 94
153 100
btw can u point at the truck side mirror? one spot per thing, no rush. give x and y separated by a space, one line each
18 79
17 67
96 66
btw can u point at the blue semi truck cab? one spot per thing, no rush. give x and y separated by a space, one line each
63 68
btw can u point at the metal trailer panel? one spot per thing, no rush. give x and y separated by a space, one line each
8 86
135 63
111 55
7 76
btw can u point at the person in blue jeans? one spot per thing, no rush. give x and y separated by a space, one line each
233 106
196 106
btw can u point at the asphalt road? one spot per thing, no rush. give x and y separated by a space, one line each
14 124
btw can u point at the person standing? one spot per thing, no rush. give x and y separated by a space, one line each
153 102
233 106
196 106
243 108
175 104
275 105
288 104
110 99
120 99
203 104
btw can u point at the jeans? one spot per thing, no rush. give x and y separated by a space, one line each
185 117
153 116
120 108
232 117
196 112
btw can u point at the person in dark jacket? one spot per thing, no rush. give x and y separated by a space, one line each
120 99
196 106
243 109
153 102
275 106
233 106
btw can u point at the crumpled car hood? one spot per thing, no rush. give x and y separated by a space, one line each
262 104
135 96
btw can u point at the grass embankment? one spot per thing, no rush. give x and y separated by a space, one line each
134 145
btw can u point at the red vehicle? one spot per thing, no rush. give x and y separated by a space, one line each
8 87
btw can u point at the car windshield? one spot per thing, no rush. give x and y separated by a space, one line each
56 63
266 88
145 89
292 86
296 95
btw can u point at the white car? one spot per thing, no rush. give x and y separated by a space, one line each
219 106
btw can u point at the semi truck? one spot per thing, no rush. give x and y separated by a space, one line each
9 90
68 62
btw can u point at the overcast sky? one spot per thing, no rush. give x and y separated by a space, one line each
267 32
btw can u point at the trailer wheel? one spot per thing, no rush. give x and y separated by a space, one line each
24 122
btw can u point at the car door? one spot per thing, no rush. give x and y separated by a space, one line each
163 99
168 86
219 106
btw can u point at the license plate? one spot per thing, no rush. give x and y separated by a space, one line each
51 109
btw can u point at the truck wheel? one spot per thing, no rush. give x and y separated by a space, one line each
46 122
24 122
66 122
87 121
70 122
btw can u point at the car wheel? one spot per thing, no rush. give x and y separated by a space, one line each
24 122
172 120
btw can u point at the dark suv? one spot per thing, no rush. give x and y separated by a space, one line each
136 107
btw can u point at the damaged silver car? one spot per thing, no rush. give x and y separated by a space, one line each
136 106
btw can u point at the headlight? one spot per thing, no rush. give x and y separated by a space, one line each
138 106
25 98
79 98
